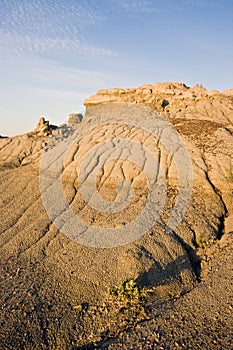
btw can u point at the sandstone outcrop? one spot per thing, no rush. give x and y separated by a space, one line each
174 100
74 119
43 128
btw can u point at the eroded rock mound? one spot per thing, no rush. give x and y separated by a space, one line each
204 118
54 263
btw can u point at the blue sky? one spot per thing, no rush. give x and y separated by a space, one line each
54 53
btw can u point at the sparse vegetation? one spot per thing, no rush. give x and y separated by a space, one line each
230 174
203 242
11 165
130 291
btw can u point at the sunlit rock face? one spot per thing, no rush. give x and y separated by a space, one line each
174 100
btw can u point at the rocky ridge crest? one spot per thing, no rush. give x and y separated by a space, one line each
174 100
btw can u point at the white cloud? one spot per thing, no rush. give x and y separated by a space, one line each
39 26
19 44
182 4
199 3
136 5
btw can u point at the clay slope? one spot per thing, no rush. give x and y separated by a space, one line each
166 141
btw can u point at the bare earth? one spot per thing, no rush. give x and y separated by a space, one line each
55 285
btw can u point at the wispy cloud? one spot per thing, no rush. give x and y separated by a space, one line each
198 3
131 7
136 6
41 73
18 44
183 4
45 88
44 25
41 26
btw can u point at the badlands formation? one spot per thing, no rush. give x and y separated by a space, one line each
167 142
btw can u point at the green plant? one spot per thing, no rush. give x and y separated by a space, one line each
11 165
203 242
129 291
16 163
230 175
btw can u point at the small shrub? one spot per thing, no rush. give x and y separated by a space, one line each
203 242
129 291
11 165
230 175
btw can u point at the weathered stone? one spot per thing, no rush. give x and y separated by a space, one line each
74 119
172 98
